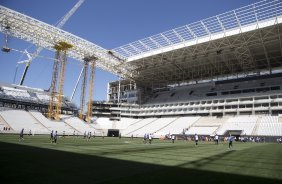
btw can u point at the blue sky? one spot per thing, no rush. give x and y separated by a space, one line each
108 23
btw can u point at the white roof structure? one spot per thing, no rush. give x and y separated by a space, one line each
248 18
47 36
244 40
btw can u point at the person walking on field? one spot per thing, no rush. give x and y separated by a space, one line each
55 137
21 135
150 138
216 139
51 136
230 141
145 138
196 139
173 138
89 136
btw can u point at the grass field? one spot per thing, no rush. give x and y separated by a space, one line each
110 160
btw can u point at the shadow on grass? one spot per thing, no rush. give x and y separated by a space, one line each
25 164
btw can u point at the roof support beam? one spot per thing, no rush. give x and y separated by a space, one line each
265 52
46 36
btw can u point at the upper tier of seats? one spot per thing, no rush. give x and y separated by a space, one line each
246 97
213 90
27 95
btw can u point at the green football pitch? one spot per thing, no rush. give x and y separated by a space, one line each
114 160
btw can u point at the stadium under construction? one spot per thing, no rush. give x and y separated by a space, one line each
219 75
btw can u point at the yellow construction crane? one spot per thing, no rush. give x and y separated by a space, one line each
83 88
60 60
92 62
53 85
60 24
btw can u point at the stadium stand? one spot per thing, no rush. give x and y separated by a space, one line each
23 97
201 130
269 126
249 105
59 126
77 124
138 125
43 97
229 98
22 119
154 126
250 125
4 126
246 124
124 123
103 124
177 126
206 125
197 85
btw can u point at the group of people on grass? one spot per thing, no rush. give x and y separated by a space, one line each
251 139
53 136
88 135
196 138
230 140
148 138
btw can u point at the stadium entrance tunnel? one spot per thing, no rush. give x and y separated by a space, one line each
236 133
233 132
113 133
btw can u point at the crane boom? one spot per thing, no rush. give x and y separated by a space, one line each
69 14
61 23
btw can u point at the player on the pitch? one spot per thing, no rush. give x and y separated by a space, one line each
196 139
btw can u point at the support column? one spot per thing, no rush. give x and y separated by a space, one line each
92 62
61 85
60 58
53 85
83 89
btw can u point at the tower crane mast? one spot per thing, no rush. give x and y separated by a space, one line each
83 89
65 45
92 63
59 69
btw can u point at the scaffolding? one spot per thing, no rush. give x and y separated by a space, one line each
60 62
46 36
83 89
92 62
53 85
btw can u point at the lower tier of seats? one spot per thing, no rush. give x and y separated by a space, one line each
14 120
